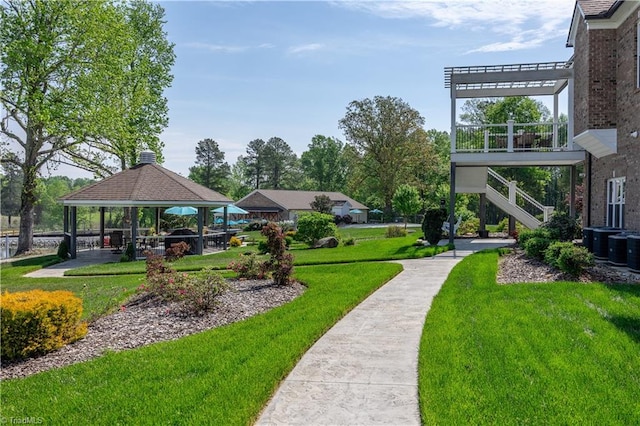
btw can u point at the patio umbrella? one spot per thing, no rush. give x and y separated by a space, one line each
376 211
231 209
182 210
355 211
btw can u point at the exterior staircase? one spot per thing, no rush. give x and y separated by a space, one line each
518 204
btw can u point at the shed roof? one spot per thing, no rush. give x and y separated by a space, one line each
145 184
292 200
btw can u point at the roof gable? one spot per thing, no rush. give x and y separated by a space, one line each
146 184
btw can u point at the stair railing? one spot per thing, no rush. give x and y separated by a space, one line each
518 197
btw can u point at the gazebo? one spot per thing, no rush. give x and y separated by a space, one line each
146 184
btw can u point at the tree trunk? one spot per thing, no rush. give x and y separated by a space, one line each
27 209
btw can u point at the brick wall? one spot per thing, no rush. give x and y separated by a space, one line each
606 97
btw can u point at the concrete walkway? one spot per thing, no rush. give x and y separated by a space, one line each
84 258
364 370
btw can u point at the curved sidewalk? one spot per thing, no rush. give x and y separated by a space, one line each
364 370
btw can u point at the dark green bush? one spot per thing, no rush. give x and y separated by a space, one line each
314 226
574 259
432 225
526 234
536 246
562 227
349 241
552 254
63 250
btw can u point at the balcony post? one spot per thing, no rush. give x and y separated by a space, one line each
453 114
571 116
486 140
509 135
555 121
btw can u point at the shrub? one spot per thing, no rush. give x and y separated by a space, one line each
573 259
562 227
129 254
63 250
536 246
347 219
280 263
503 225
349 241
314 226
36 322
201 290
262 247
255 226
526 234
176 251
197 291
469 226
394 231
248 266
552 253
235 242
432 225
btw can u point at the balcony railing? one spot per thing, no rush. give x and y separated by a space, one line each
512 137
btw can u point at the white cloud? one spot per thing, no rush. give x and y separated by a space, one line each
222 48
519 24
310 47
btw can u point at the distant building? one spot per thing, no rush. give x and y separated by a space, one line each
278 205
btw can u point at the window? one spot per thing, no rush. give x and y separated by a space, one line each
615 202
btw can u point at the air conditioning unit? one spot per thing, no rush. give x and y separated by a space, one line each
601 241
587 238
618 249
633 252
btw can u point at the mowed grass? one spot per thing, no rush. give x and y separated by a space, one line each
222 376
365 250
99 294
553 353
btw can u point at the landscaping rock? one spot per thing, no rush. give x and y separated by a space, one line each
326 242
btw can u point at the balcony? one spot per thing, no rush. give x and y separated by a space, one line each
513 144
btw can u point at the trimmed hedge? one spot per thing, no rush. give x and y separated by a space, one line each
37 321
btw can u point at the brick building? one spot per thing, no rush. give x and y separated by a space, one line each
604 35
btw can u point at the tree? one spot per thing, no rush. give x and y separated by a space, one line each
10 189
280 163
322 204
143 109
384 131
238 186
406 200
254 163
64 84
324 164
210 170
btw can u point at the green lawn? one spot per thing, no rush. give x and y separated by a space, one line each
367 249
222 376
559 353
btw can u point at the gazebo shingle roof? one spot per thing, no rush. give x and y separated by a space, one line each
147 184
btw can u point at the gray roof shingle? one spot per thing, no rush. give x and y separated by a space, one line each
292 200
146 184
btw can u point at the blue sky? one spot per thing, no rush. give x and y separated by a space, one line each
247 70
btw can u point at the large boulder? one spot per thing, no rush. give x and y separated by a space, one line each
326 242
